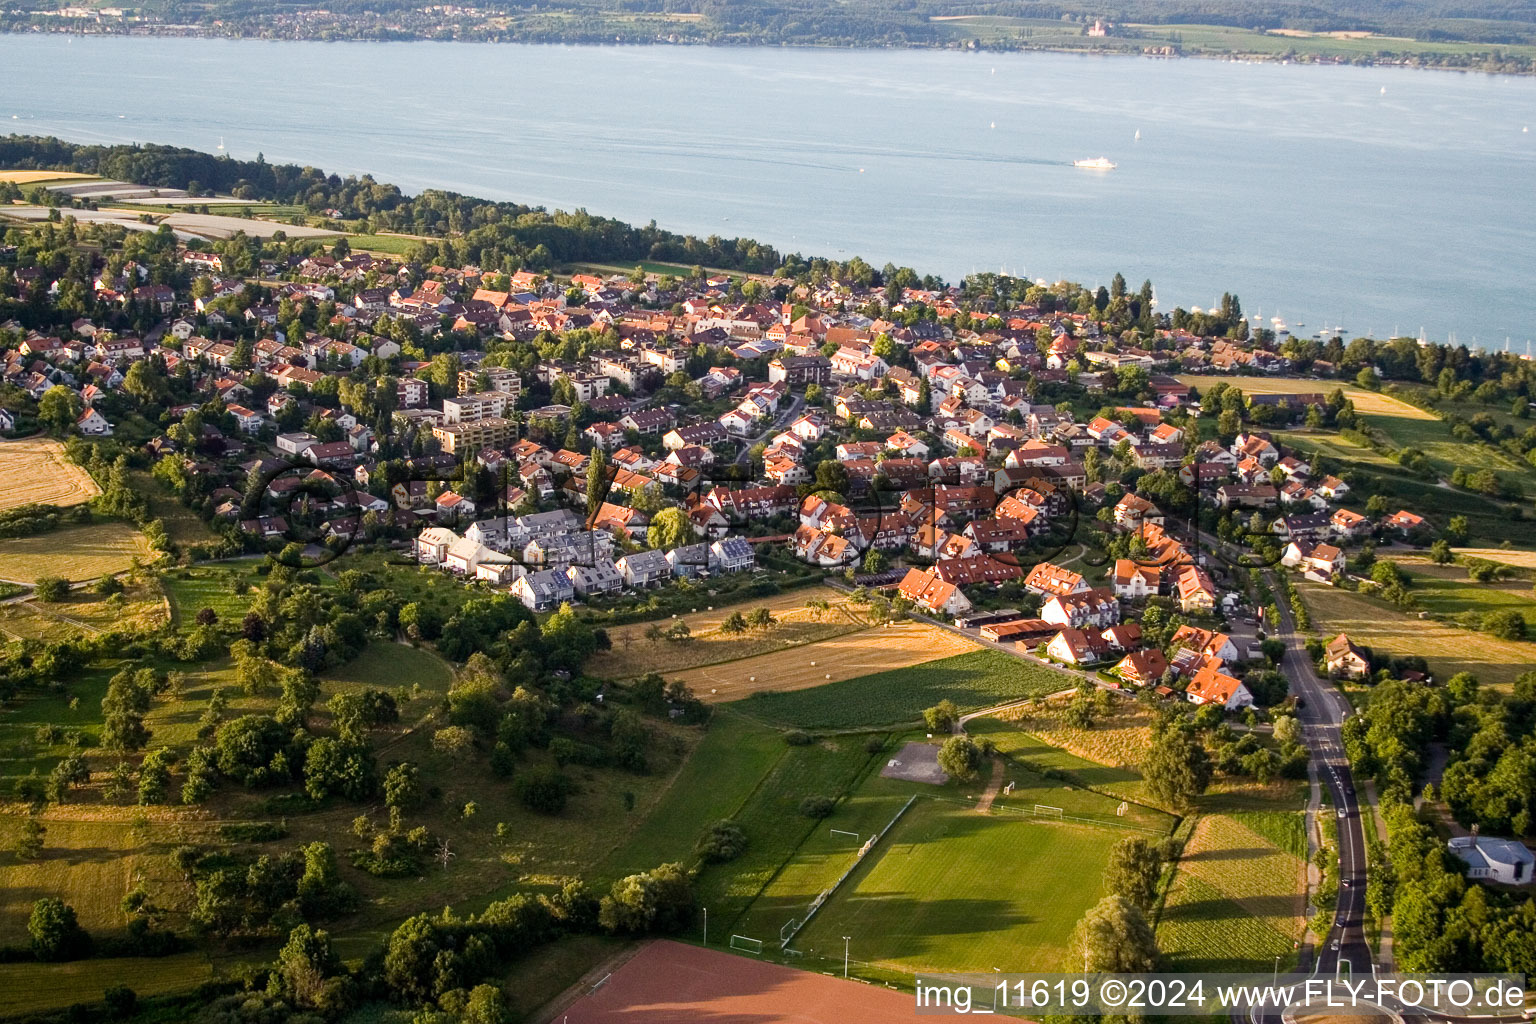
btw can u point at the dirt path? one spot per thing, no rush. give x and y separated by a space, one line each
995 786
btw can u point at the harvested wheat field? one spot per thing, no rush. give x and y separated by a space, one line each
1370 403
34 471
28 177
77 553
796 623
1518 559
871 650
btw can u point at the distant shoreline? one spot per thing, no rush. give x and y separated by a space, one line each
1521 66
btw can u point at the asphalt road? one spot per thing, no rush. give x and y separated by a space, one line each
1323 712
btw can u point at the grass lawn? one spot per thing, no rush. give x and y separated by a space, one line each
388 666
1448 649
974 680
1080 786
949 889
33 987
75 553
774 827
1237 898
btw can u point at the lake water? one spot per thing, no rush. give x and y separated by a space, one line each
1310 192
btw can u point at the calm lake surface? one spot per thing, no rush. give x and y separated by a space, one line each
1379 199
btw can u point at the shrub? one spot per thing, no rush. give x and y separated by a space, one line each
817 806
722 841
51 589
797 738
542 789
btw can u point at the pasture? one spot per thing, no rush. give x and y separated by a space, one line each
1236 900
1446 590
76 553
189 591
1380 626
977 679
841 657
949 889
35 471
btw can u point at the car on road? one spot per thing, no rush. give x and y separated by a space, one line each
1334 945
1343 813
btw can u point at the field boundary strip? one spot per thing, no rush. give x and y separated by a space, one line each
828 892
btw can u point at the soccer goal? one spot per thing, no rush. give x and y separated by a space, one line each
747 945
1047 811
787 932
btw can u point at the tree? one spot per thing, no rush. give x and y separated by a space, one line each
942 716
735 624
1133 870
1177 768
1114 936
659 900
51 589
402 786
58 409
29 846
597 481
56 934
1508 624
486 1005
960 757
305 965
1287 729
670 528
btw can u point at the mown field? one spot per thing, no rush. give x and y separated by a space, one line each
189 591
973 680
32 987
36 177
796 624
1448 649
848 655
1509 556
140 607
1236 900
35 471
75 553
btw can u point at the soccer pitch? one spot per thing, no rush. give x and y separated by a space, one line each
954 890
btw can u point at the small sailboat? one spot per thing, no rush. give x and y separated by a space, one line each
1138 134
1383 90
993 125
221 143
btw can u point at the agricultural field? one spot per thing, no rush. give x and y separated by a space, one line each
1237 899
75 553
1448 649
634 653
1099 786
1446 590
392 245
1366 402
139 607
976 679
950 889
35 471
